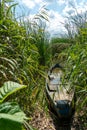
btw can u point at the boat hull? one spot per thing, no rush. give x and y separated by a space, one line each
61 101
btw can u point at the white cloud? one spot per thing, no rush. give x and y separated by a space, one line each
82 7
65 2
30 17
61 2
29 3
55 25
32 3
73 7
68 10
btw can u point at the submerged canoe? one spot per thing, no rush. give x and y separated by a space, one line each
59 94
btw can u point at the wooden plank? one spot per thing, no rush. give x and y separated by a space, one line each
58 90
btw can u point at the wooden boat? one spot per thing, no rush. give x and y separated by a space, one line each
59 94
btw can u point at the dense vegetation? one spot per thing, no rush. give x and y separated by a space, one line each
76 64
26 54
71 51
21 59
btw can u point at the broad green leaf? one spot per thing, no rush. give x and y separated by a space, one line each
12 108
11 116
8 88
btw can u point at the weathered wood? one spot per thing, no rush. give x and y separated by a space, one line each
59 94
61 90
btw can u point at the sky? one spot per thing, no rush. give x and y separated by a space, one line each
57 11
